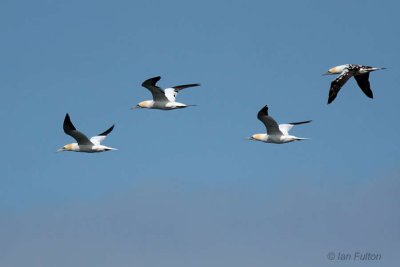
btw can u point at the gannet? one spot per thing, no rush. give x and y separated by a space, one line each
84 144
276 134
360 73
163 99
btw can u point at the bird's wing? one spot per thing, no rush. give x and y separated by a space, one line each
99 138
269 122
70 129
181 87
285 128
363 83
157 92
337 84
172 92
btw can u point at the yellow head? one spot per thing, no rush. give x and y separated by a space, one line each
144 104
336 70
258 137
69 147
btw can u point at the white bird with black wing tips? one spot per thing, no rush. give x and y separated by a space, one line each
360 73
276 134
84 144
163 99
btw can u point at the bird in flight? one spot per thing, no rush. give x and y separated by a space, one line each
360 73
84 144
163 99
276 134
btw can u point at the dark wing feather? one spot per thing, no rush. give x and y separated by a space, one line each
271 125
105 133
337 84
157 92
363 83
300 122
70 130
180 87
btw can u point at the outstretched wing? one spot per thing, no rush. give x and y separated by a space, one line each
99 138
269 122
172 92
337 84
70 130
157 92
285 128
363 83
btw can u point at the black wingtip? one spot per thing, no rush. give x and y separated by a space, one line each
180 87
67 125
105 133
330 99
300 122
157 78
151 81
265 110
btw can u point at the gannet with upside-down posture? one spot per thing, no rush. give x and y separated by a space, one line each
360 73
276 134
84 144
163 99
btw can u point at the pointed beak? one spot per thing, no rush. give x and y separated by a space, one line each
60 150
326 73
136 107
249 138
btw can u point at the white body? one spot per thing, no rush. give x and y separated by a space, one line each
163 105
278 138
74 147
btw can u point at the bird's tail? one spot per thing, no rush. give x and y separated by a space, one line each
378 68
186 106
302 138
110 148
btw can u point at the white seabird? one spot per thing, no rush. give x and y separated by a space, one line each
84 144
163 99
276 134
360 73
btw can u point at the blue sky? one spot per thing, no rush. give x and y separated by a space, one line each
185 188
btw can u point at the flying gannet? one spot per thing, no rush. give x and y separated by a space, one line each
84 144
163 99
360 73
276 134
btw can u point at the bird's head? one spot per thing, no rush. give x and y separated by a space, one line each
69 147
143 104
335 70
257 137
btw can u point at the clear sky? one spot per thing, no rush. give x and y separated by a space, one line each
185 188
